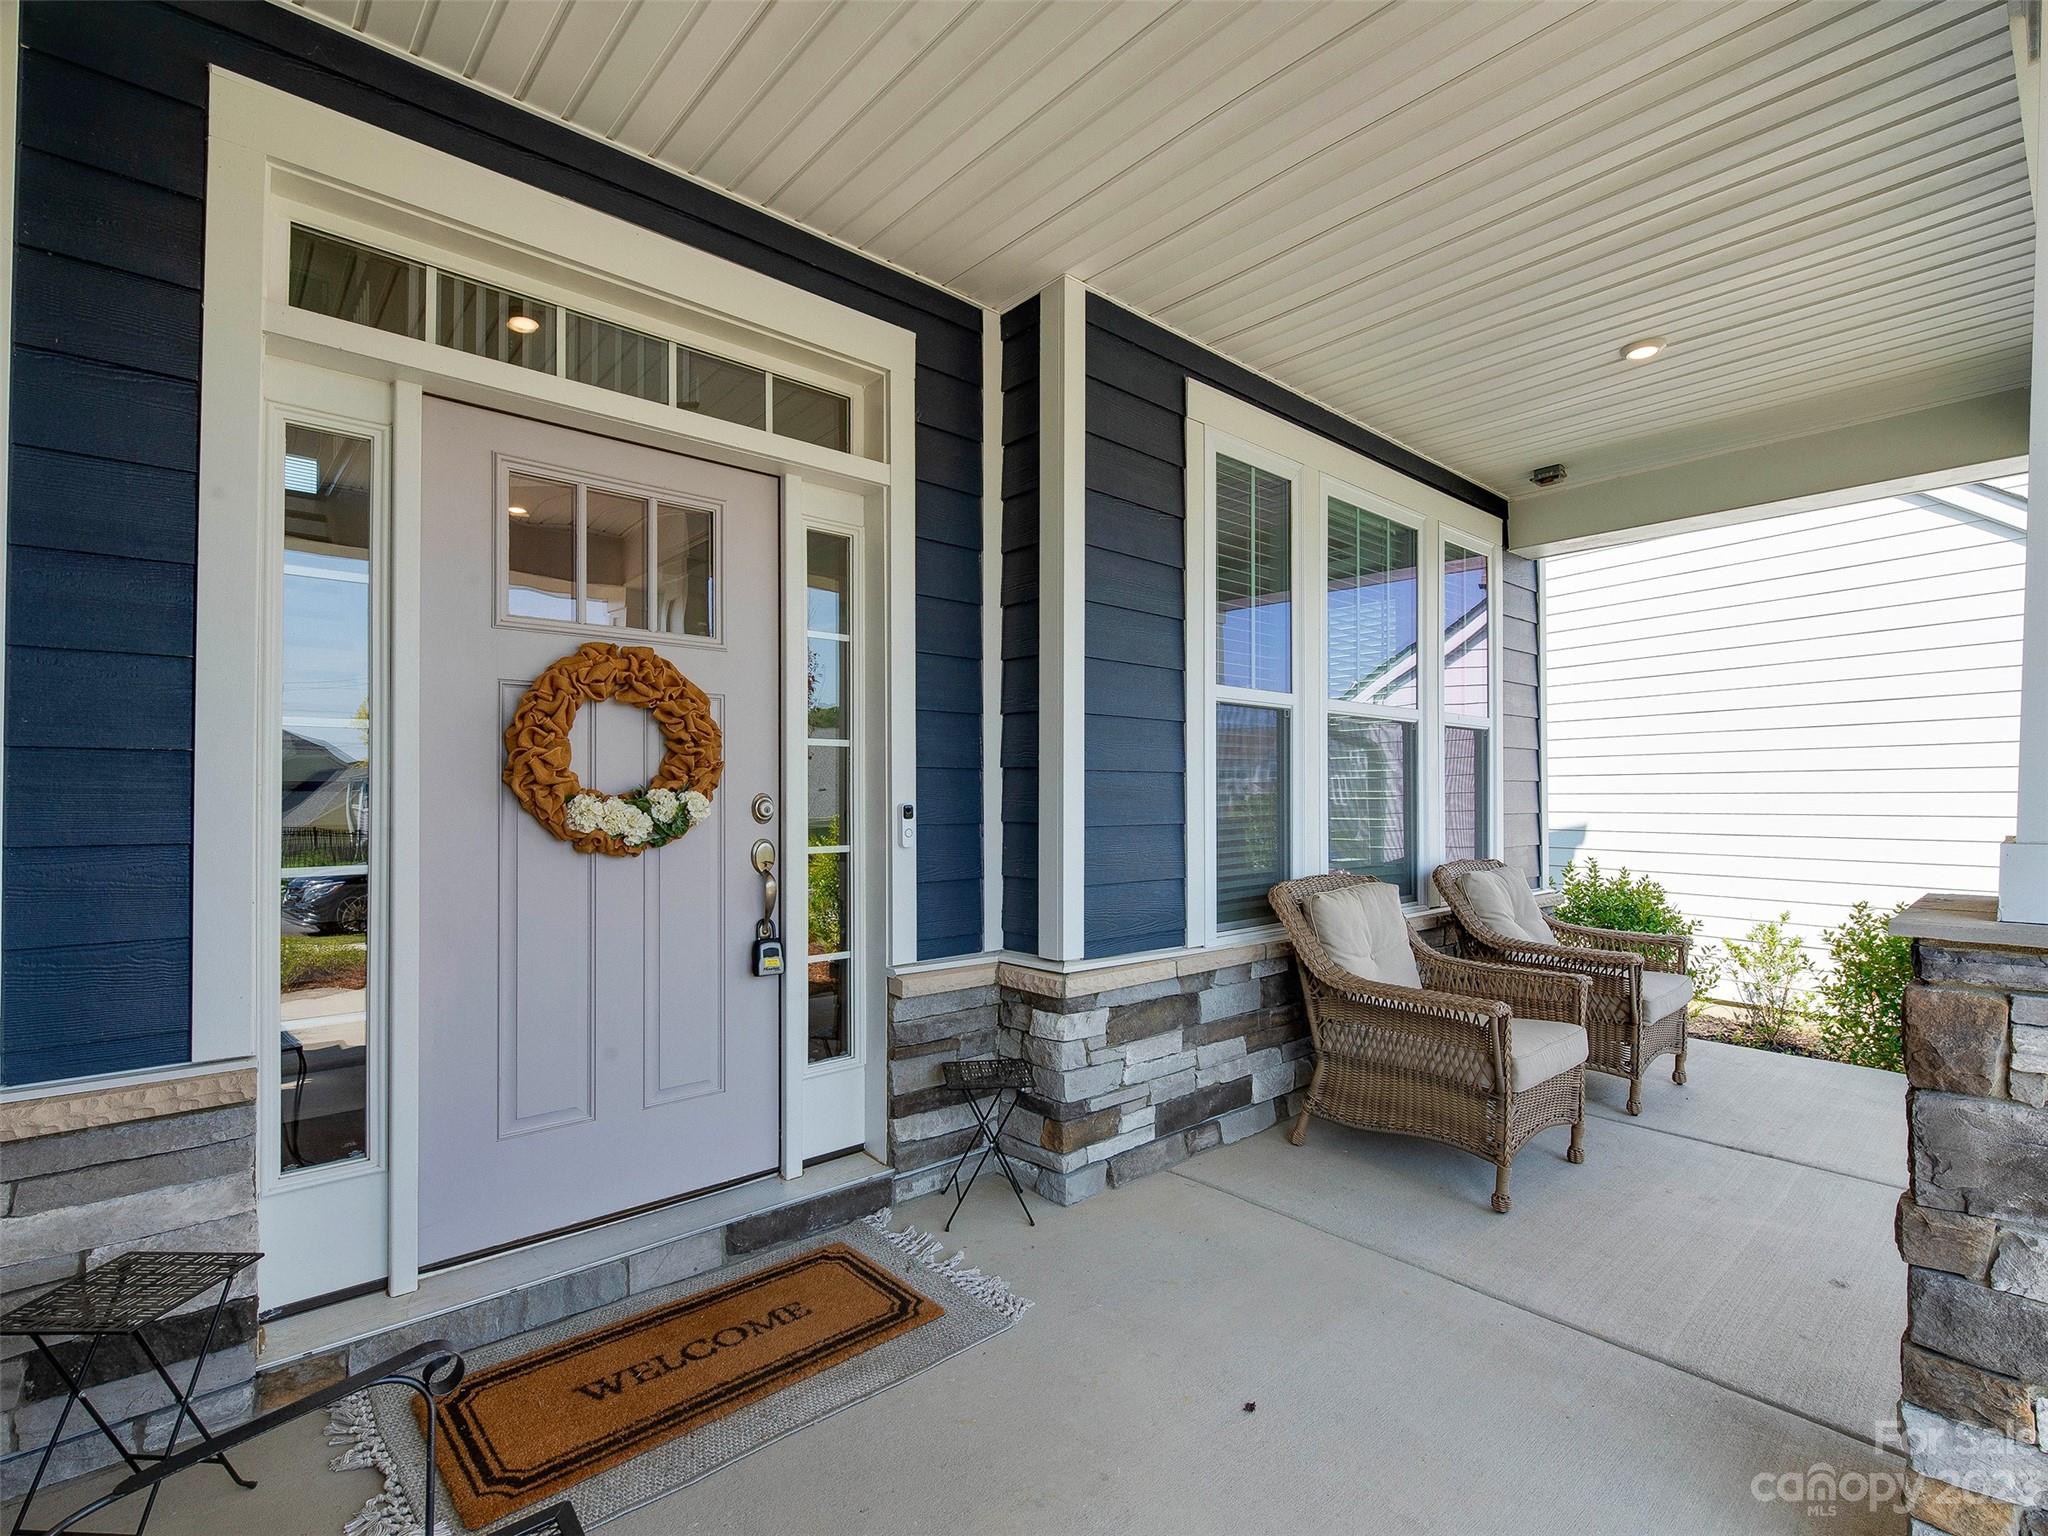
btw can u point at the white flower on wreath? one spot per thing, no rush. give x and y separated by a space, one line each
639 827
699 806
582 815
616 817
662 804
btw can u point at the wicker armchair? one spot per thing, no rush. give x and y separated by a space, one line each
1624 1033
1436 1063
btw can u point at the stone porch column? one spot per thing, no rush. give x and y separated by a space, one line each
1973 1224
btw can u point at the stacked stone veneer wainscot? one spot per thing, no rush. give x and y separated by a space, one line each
1135 1067
1138 1067
86 1176
1974 1224
934 1017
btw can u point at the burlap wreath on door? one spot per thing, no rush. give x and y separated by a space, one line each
537 757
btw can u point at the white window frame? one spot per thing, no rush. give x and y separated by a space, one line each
841 1101
495 267
1318 468
1300 819
1336 489
1488 723
271 156
583 483
332 1215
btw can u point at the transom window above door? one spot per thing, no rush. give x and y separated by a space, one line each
581 554
415 299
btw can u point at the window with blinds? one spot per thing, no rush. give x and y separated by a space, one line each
1465 633
1370 752
1254 596
1254 593
1375 691
1466 811
1372 799
1467 702
1373 615
1251 811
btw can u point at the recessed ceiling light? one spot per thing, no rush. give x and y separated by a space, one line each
1642 351
525 325
518 512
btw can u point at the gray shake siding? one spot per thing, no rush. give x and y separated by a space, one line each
1521 708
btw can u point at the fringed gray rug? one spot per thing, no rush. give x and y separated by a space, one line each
380 1430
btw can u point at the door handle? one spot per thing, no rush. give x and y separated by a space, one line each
764 862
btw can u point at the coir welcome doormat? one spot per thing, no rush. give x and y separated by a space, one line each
617 1407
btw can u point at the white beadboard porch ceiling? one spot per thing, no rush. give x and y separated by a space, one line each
1443 220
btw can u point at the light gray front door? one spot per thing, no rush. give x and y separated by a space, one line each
592 1038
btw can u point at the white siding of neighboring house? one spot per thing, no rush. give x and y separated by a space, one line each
1791 714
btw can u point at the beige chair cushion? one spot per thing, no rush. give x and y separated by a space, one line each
1542 1048
1365 932
1502 901
1664 992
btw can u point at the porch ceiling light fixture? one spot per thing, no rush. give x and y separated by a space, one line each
517 511
524 325
1642 351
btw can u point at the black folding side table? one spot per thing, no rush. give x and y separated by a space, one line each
991 1089
125 1296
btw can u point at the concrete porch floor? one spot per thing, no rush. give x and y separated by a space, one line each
1713 1296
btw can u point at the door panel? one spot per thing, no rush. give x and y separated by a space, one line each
683 1058
547 1042
593 1039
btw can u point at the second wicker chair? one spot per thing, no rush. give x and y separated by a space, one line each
1641 994
1477 1056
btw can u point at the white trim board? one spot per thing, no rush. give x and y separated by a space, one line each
10 78
268 152
470 202
991 630
1062 617
1240 419
1976 439
2023 862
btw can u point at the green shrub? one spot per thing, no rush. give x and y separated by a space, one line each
1620 900
1634 904
828 906
330 960
1769 967
1864 993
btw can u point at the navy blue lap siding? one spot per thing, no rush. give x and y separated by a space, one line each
1137 736
104 445
1153 364
1020 628
1135 843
